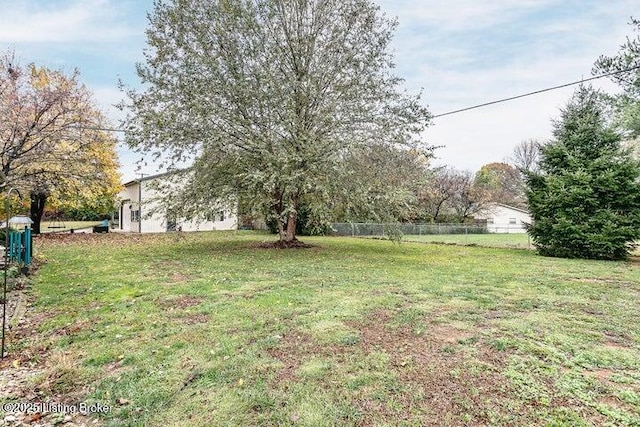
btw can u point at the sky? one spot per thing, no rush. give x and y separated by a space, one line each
458 52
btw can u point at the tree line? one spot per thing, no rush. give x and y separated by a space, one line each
293 107
293 112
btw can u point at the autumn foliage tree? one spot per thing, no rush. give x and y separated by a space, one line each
50 142
271 96
468 198
450 195
502 183
434 196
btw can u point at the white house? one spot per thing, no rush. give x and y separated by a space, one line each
133 215
505 219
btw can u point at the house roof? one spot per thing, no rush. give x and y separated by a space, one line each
513 208
150 177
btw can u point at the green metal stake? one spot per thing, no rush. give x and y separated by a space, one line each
6 265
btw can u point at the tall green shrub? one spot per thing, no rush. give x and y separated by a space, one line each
585 200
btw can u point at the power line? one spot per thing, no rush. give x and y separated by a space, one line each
485 104
511 98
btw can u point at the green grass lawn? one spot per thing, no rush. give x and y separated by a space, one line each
206 329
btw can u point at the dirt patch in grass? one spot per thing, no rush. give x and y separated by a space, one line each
180 302
444 375
602 374
437 374
447 334
194 319
178 277
114 367
280 244
617 403
614 345
71 329
296 348
617 340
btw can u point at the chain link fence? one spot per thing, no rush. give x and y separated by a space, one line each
371 229
465 234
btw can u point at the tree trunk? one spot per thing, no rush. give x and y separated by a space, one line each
38 201
276 210
292 219
437 212
291 228
281 233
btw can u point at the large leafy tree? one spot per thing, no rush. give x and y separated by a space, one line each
469 198
502 183
270 97
80 177
51 147
435 194
450 195
585 199
379 184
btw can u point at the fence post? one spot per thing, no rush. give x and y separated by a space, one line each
353 230
12 246
27 246
16 246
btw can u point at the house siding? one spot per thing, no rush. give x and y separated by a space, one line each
505 219
157 223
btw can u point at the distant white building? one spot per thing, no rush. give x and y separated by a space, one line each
505 219
133 216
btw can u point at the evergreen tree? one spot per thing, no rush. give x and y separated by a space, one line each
585 199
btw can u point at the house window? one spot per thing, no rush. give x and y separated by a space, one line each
135 216
489 220
217 216
513 221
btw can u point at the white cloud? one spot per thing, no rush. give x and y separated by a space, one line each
463 52
460 15
83 21
466 52
106 97
486 135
